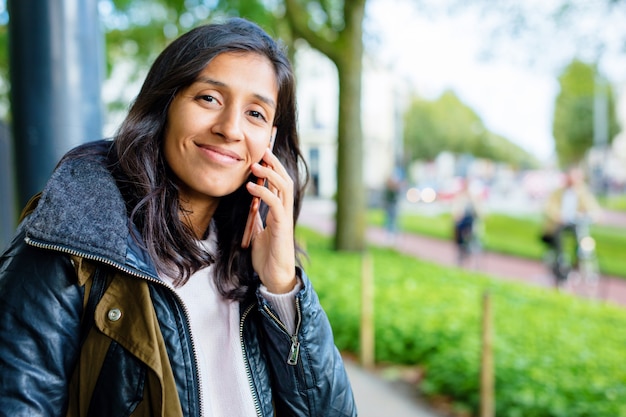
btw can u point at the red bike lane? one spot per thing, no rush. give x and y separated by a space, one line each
319 216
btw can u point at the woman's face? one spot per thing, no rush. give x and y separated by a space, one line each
220 125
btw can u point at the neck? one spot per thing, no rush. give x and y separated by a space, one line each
198 216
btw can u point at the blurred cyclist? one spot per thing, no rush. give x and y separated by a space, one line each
571 203
466 215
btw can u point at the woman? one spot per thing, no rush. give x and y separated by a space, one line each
127 292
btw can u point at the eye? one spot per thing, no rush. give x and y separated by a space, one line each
208 98
257 115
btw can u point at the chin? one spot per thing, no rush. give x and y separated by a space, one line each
226 191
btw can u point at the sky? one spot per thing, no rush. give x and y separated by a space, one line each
513 96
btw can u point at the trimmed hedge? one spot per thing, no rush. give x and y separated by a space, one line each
555 355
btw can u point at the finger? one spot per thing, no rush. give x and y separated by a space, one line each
274 163
278 184
268 196
273 189
258 226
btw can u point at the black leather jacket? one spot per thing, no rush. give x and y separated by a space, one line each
81 215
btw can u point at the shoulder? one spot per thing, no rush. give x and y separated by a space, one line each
29 274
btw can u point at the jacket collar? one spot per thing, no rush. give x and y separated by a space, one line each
82 211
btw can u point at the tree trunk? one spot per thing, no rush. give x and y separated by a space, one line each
345 48
351 207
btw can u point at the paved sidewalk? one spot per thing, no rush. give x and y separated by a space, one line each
319 215
377 397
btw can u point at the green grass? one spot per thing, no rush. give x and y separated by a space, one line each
555 355
614 202
518 236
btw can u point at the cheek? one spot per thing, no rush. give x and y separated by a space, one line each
257 149
169 148
174 155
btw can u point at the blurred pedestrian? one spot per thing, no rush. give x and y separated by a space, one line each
467 212
391 196
127 292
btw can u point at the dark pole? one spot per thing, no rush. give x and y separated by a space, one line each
56 68
7 208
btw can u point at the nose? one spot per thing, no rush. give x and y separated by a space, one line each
229 124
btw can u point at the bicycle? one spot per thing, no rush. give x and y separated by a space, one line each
572 257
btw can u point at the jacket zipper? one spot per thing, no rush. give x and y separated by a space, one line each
294 350
255 394
74 252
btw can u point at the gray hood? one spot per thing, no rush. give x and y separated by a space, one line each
82 211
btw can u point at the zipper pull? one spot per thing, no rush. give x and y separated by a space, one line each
294 351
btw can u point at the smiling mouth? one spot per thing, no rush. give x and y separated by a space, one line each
220 155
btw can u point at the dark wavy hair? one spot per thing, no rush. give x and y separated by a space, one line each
149 185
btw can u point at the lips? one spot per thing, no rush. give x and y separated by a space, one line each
219 154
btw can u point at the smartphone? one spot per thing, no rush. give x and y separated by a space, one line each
254 206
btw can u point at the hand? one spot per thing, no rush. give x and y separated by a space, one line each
273 251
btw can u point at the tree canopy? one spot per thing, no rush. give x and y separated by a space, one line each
447 124
573 126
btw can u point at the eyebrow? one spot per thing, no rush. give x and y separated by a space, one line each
216 83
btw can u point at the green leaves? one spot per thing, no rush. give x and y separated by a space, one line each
573 126
448 124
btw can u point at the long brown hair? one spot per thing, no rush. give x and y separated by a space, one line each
148 184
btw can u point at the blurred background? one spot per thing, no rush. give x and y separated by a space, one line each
402 102
506 94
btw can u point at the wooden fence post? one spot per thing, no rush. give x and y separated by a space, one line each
367 311
487 377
